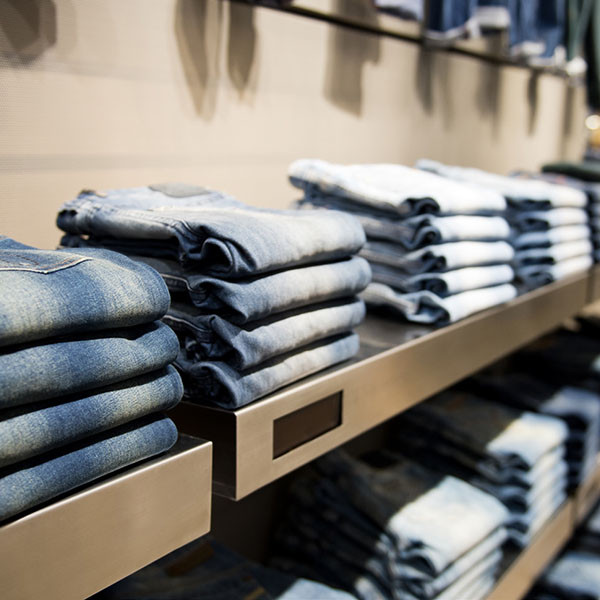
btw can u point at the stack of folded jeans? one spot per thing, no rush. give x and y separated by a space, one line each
551 226
207 570
385 527
516 456
261 297
84 370
578 407
437 249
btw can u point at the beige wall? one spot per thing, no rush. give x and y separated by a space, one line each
107 93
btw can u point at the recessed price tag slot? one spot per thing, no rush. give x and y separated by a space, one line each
306 424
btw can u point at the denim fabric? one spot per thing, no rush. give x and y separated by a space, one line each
443 284
217 383
474 585
215 233
493 15
27 431
442 257
210 337
522 193
554 254
578 407
413 505
395 189
508 437
544 220
574 575
538 275
40 479
448 19
420 231
405 9
555 235
423 587
56 367
425 307
207 570
259 297
57 292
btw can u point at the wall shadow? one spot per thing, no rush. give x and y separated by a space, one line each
348 53
28 28
241 49
532 100
198 30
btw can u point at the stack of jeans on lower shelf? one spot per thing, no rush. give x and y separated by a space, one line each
261 297
84 370
385 527
551 226
437 249
576 574
578 407
207 570
516 456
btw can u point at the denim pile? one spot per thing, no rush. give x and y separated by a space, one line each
384 527
578 407
207 570
261 297
84 370
536 30
576 574
516 456
438 249
551 226
576 175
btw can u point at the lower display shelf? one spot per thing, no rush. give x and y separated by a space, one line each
87 541
524 568
398 366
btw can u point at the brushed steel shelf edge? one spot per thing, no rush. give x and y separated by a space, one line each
375 389
594 294
80 545
518 579
587 495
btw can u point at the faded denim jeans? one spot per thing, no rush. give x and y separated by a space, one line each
213 232
392 189
427 307
216 382
59 292
258 297
524 194
37 480
210 337
53 368
32 429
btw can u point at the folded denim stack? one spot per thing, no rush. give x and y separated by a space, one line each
579 408
261 297
516 456
84 370
207 570
386 527
551 226
437 249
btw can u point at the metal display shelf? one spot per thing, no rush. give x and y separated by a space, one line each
398 366
595 284
362 16
587 495
91 539
526 567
